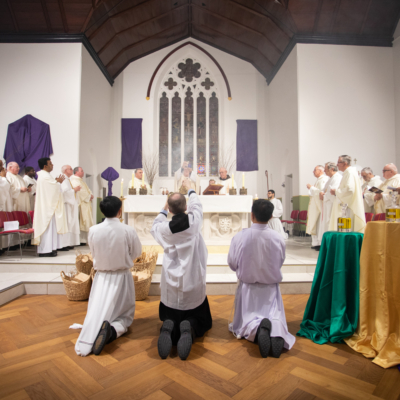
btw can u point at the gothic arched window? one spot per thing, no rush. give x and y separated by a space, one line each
188 115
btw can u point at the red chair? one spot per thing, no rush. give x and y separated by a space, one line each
303 217
21 217
380 217
9 216
294 215
31 215
369 217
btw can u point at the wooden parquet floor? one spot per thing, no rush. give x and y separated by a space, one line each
38 361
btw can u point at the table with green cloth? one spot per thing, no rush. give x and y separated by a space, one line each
378 332
332 309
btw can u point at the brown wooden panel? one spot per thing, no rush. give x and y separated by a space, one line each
351 16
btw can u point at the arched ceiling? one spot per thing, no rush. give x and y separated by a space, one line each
262 32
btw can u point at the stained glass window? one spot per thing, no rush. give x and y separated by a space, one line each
188 144
176 132
201 133
163 145
213 135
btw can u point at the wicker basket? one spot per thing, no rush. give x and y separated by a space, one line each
76 291
142 287
84 263
140 265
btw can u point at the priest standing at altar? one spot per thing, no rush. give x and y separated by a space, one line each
19 190
349 192
187 174
84 198
29 179
138 181
226 181
50 218
315 206
72 237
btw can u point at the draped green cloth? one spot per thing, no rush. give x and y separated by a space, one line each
332 309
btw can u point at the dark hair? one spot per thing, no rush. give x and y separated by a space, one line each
43 162
110 206
177 203
28 169
272 191
76 169
262 210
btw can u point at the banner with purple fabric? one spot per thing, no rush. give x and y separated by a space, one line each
246 145
110 175
131 141
28 139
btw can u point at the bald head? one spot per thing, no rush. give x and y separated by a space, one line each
67 170
223 173
13 167
389 171
177 203
318 170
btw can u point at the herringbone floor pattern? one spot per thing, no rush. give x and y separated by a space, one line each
38 361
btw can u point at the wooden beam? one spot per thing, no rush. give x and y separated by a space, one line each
140 42
90 13
239 25
138 25
317 15
190 17
13 16
46 16
365 17
335 14
63 16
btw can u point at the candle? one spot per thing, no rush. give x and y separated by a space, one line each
256 197
232 182
243 179
122 188
133 179
143 179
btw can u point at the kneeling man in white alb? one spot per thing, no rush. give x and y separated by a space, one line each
111 306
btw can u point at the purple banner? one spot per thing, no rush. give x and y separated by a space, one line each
131 141
28 139
246 145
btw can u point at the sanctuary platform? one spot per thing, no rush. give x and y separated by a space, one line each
34 275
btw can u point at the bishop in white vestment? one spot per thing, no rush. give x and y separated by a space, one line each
369 180
186 174
315 206
84 198
30 180
348 192
184 306
383 200
111 306
226 181
256 255
72 237
19 190
50 218
328 199
275 222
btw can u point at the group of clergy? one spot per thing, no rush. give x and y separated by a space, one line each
335 195
62 206
256 255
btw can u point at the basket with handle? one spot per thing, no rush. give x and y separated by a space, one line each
76 290
84 263
142 287
146 261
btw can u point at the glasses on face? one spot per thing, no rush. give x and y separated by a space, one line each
386 170
340 162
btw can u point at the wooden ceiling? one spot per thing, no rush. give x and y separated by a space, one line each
262 32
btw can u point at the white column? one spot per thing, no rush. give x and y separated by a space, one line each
194 133
207 136
169 136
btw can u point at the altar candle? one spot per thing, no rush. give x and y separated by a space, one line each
232 182
143 179
256 197
122 188
243 178
133 179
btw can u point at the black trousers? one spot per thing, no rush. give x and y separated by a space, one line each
200 319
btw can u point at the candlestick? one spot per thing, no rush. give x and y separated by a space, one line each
243 178
122 187
133 179
232 182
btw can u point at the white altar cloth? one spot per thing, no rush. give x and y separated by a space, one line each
223 216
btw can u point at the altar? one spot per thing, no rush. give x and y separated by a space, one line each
223 216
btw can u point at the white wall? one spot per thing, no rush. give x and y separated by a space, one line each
43 80
248 93
346 106
95 124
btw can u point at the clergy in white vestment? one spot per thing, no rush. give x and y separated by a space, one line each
369 180
349 192
186 174
138 181
30 182
84 198
226 181
256 255
72 237
384 200
50 219
275 222
111 306
315 206
19 190
184 307
331 171
6 203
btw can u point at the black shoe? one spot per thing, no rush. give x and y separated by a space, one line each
102 338
164 341
276 346
185 341
264 340
63 249
83 244
52 254
316 248
70 247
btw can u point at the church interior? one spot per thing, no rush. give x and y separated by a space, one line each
130 91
